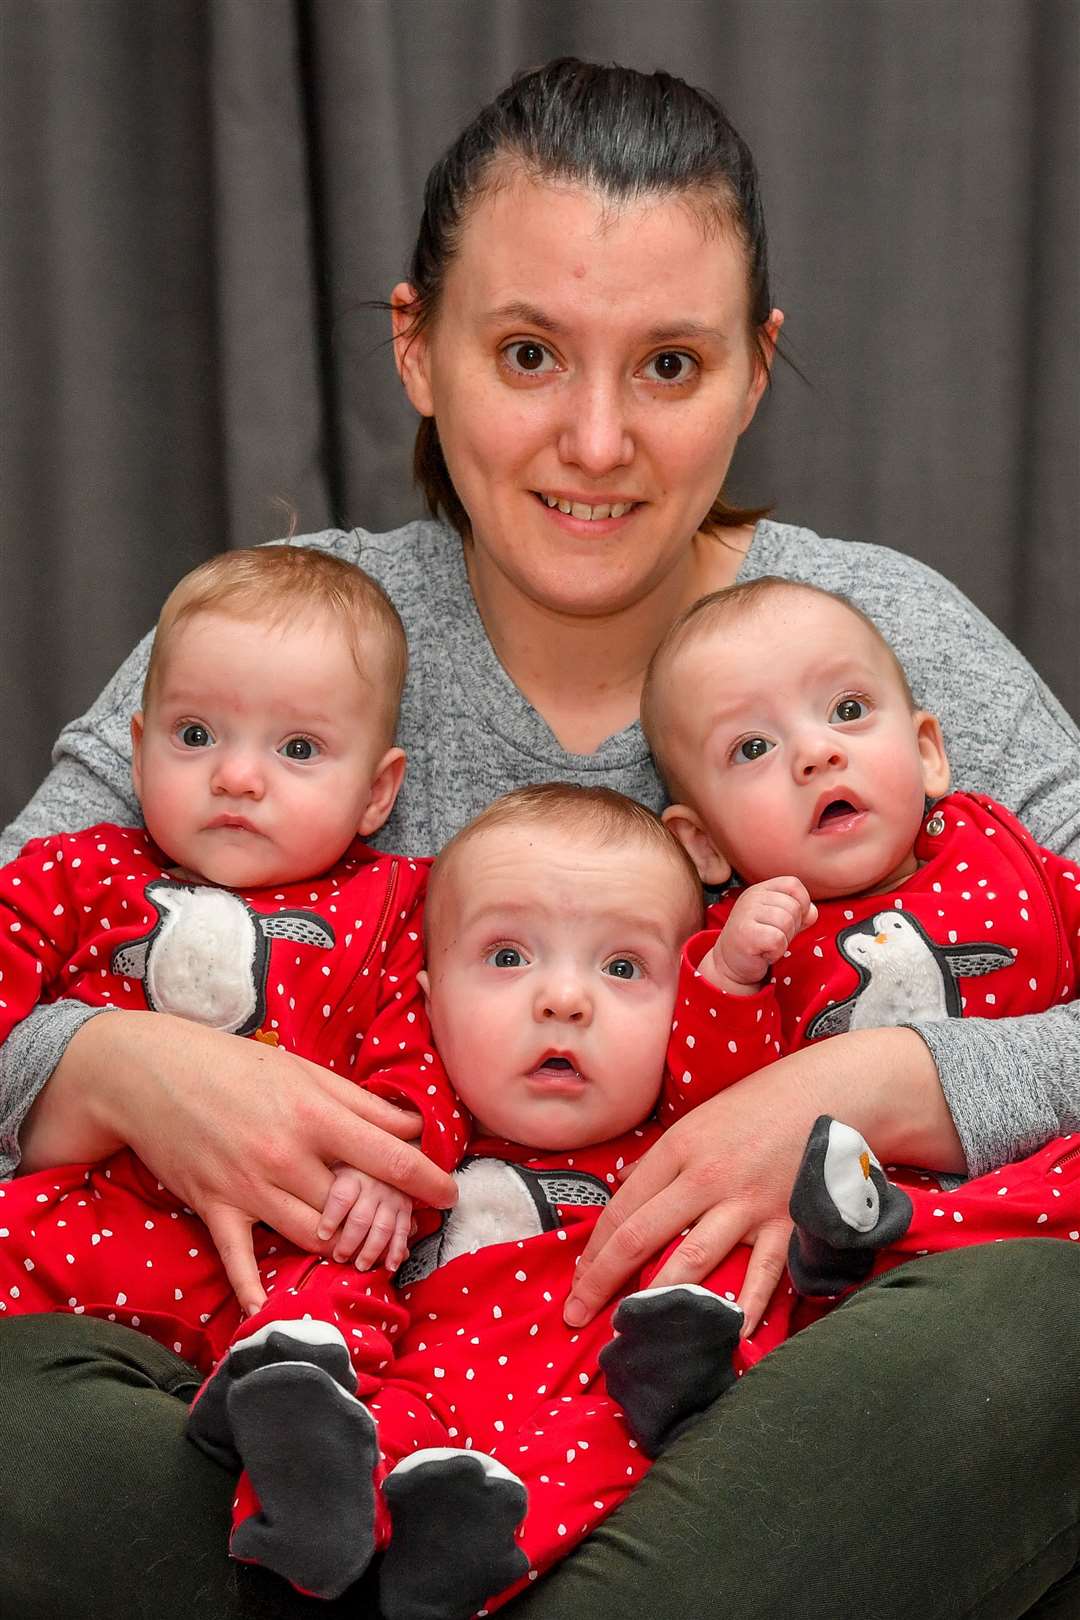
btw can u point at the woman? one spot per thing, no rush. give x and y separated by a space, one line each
586 332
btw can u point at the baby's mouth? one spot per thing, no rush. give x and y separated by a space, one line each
556 1068
835 813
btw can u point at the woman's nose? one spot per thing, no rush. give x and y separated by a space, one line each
237 774
595 434
564 1000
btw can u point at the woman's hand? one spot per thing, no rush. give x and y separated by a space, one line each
723 1174
241 1131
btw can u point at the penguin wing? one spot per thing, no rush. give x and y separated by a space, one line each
834 1020
972 961
130 960
302 927
575 1187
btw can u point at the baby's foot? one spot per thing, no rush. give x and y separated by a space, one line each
671 1357
311 1449
319 1343
844 1210
453 1518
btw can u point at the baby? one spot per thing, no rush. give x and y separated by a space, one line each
554 925
263 755
788 737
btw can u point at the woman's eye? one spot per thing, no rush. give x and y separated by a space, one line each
195 736
507 956
671 366
621 967
299 748
848 709
752 748
528 358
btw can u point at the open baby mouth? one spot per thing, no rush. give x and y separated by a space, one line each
838 807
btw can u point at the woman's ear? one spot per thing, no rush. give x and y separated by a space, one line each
411 348
931 746
765 341
385 787
136 751
694 837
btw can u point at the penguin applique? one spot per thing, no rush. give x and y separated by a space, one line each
498 1202
904 976
208 955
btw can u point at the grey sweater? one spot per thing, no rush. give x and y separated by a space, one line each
470 735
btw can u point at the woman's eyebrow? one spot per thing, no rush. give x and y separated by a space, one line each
532 315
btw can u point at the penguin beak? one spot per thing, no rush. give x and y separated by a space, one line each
881 939
864 1165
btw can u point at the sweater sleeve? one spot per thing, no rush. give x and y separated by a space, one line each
1026 1070
1012 1083
90 782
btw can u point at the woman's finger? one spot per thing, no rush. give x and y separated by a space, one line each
764 1270
368 1148
628 1244
708 1242
230 1230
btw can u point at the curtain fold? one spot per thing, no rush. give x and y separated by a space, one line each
199 199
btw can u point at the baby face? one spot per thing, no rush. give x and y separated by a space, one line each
552 969
804 757
261 754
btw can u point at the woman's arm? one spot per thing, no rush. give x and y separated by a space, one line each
726 1170
242 1132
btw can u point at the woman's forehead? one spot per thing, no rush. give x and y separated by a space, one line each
529 245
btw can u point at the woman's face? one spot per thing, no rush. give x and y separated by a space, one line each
595 356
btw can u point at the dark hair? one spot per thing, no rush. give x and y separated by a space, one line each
626 134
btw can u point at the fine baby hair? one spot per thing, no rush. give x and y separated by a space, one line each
706 618
597 814
281 583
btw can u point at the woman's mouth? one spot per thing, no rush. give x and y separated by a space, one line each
586 511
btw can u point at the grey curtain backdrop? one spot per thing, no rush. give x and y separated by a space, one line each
198 196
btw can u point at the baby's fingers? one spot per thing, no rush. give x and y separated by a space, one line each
339 1200
397 1251
381 1233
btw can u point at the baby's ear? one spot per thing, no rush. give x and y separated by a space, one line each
713 868
385 786
931 746
136 751
425 985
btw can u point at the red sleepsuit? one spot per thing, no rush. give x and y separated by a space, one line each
988 926
325 968
485 1361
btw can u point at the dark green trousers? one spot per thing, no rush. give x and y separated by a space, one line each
915 1456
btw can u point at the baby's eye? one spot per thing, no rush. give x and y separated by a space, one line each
849 708
529 358
621 967
752 748
671 366
299 748
194 735
507 956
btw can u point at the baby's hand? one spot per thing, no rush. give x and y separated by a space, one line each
376 1218
763 922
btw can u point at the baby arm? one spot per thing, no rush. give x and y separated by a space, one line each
763 921
371 1219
